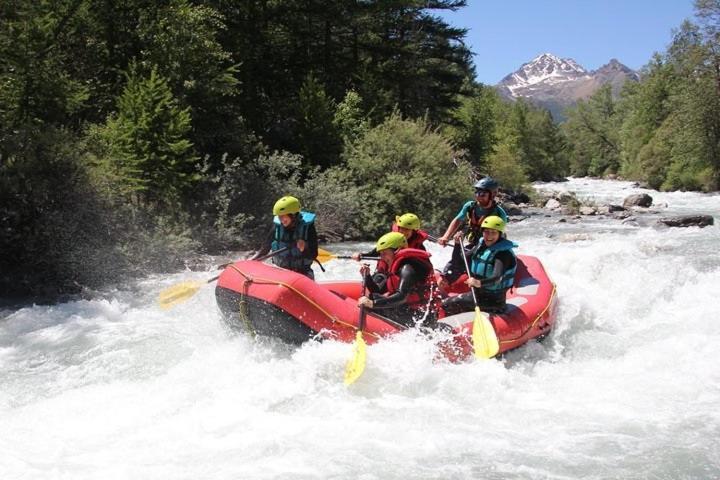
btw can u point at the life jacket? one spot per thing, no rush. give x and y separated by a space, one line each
483 264
474 233
422 293
417 238
292 258
381 267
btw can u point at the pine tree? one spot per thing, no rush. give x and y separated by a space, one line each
148 139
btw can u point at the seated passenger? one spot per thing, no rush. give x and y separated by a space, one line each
492 271
408 296
409 225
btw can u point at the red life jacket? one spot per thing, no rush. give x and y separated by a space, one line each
421 294
381 267
417 238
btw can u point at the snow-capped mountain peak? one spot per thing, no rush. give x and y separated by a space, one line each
544 69
559 82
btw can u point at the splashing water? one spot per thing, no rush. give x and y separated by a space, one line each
627 385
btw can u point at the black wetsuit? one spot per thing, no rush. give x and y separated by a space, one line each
394 306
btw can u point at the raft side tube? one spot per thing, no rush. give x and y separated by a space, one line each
259 317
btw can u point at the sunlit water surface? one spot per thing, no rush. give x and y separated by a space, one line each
627 385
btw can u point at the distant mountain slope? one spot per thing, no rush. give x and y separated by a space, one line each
557 83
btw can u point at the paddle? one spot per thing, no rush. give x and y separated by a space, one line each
325 256
356 365
435 240
485 341
183 291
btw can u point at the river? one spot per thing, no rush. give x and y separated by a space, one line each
626 386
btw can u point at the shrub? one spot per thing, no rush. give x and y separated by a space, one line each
403 166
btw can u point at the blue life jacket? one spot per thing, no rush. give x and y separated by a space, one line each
483 264
292 258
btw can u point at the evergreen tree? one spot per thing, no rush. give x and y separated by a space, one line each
181 41
350 119
148 140
646 105
474 124
592 130
318 139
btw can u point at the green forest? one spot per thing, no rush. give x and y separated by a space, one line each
135 135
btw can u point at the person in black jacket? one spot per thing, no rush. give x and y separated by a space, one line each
408 294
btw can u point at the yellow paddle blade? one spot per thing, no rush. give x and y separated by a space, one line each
356 365
324 256
178 293
485 341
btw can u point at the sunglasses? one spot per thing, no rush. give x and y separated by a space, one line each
481 193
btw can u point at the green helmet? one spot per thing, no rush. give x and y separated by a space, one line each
493 222
391 240
286 205
408 220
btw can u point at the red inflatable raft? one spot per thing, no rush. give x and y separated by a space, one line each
271 301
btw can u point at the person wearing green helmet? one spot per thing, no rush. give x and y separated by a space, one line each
409 225
295 229
472 215
408 294
492 270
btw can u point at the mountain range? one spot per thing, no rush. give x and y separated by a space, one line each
557 83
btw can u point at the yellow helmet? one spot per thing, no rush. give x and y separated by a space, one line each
493 222
286 205
408 220
391 240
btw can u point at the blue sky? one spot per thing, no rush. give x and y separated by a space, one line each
505 34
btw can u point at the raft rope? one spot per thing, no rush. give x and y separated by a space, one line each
242 307
539 316
266 281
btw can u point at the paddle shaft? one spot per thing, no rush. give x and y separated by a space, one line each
264 257
435 240
362 257
363 313
467 269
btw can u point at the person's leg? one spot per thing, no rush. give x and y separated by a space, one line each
458 303
456 266
491 302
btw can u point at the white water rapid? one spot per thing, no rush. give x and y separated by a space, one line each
627 385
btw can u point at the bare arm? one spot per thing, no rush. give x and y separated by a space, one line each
452 228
